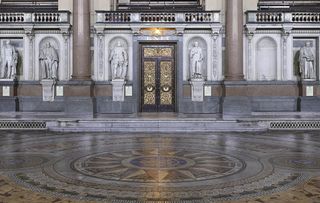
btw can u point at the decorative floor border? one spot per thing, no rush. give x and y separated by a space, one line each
25 125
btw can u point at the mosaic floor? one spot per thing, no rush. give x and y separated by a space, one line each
159 168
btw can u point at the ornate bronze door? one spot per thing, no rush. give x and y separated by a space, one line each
158 78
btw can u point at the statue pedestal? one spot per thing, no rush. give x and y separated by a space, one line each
197 89
118 89
8 87
48 89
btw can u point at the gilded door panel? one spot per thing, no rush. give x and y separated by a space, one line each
158 78
149 87
158 52
166 86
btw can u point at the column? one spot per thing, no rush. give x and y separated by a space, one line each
234 40
236 102
79 91
81 40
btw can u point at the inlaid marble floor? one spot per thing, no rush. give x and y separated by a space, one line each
159 168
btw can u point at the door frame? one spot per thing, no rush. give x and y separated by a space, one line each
140 70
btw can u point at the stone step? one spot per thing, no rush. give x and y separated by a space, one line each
153 126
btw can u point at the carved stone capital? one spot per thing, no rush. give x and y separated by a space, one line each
286 31
250 31
215 35
215 32
99 30
136 31
29 31
100 36
65 33
180 31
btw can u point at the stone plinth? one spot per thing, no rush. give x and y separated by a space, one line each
8 99
48 89
118 89
197 86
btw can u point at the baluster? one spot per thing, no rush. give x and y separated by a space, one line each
263 17
106 17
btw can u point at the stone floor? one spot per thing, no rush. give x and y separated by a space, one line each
41 167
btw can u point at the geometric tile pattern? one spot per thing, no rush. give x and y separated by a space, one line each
159 168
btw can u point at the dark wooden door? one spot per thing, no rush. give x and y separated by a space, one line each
158 78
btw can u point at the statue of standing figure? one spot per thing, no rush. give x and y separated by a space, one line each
49 62
9 61
196 59
119 61
306 62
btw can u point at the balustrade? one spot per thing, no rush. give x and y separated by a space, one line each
158 17
306 17
49 17
11 17
282 17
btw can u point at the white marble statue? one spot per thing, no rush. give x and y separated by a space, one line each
49 62
306 62
9 61
196 59
119 61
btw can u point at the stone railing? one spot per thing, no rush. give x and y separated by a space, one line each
49 17
158 17
283 17
12 17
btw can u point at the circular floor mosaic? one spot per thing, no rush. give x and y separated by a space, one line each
157 168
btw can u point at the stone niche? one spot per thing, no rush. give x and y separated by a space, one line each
266 59
298 44
202 44
197 67
118 60
49 67
13 57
